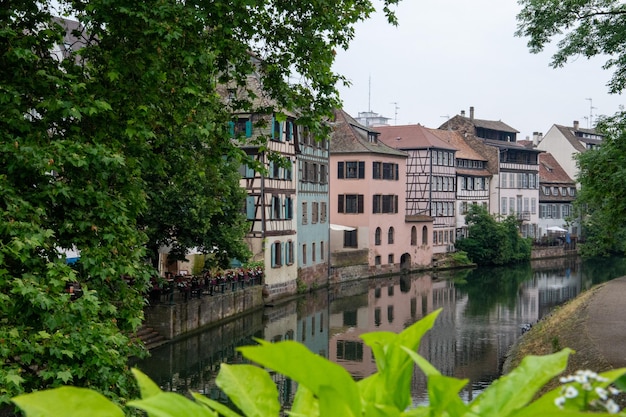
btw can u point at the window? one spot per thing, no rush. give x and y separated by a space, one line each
413 236
377 236
304 254
322 250
572 191
390 236
377 260
323 174
504 177
350 239
503 210
350 350
350 169
289 254
288 208
565 210
533 205
350 203
512 205
424 235
313 252
277 131
463 207
323 212
434 238
276 207
277 256
385 203
390 259
304 213
314 212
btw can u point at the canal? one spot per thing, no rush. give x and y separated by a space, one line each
483 311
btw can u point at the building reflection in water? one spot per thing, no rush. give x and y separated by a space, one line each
482 314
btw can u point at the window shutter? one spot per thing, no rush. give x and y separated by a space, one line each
397 172
361 169
282 253
231 129
272 135
270 173
340 170
360 203
273 255
249 172
340 203
248 128
395 203
250 207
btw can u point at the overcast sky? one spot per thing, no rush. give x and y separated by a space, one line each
448 55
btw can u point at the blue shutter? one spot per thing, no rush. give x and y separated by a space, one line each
282 253
273 255
270 173
272 129
250 207
231 129
249 172
248 128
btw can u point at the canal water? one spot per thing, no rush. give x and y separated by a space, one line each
483 310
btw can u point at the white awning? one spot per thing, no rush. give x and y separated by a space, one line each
341 228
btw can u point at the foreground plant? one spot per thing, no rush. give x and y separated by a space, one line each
327 389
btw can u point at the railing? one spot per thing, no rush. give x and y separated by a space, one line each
184 287
523 216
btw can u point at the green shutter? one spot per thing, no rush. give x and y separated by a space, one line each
248 128
231 129
250 207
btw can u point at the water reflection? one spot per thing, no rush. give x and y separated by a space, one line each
482 311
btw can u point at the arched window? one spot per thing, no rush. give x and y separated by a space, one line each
377 236
413 236
424 235
390 236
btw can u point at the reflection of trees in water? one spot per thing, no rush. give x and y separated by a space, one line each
487 287
598 270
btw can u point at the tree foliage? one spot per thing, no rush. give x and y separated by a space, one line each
492 242
123 146
583 28
601 201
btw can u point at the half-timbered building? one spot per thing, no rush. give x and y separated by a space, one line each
271 202
472 177
430 179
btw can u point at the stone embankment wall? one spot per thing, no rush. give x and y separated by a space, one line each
552 252
172 320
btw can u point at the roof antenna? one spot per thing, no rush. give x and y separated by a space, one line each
369 94
395 106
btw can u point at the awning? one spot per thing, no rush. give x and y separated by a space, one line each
341 228
555 229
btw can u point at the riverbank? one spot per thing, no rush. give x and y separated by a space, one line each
590 324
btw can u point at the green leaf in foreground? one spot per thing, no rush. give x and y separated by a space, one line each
236 380
318 374
169 404
67 402
515 390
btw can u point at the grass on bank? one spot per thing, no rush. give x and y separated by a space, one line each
564 327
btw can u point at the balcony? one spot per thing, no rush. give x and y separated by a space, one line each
523 216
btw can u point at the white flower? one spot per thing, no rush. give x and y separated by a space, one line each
611 407
602 393
587 386
614 391
559 402
570 392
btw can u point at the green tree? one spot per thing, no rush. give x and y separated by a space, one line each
601 201
583 28
124 146
590 28
492 242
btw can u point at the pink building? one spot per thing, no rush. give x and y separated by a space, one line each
368 217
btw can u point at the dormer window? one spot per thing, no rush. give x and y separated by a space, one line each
372 137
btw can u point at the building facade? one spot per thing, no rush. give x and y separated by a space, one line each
430 179
313 220
367 208
557 192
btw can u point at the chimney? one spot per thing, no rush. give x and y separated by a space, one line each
575 124
472 113
535 138
462 113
